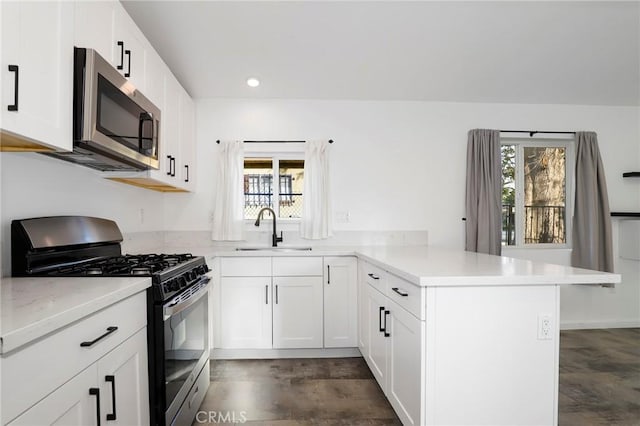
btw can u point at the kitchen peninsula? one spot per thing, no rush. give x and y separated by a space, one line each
452 337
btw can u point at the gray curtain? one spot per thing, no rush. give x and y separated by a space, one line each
484 188
591 216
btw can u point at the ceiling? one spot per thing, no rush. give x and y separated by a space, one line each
515 52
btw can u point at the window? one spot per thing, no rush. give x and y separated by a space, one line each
262 186
536 192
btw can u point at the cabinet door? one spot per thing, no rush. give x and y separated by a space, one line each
245 312
133 43
94 27
169 150
364 320
406 364
340 302
37 43
187 166
124 383
297 312
70 404
377 354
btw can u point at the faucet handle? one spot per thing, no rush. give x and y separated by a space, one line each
279 239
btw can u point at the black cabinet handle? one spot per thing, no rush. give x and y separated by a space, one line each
276 294
328 274
109 331
169 158
112 379
14 69
380 328
266 294
128 73
385 323
121 44
374 276
173 166
96 393
399 292
187 167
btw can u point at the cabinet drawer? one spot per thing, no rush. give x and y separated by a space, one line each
409 296
374 276
245 266
297 266
33 372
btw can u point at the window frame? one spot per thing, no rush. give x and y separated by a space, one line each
275 156
520 144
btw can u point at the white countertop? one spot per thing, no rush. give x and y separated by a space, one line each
35 306
436 267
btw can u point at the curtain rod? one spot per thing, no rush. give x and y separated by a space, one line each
533 132
218 141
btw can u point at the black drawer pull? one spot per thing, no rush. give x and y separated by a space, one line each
16 70
328 274
380 327
96 392
374 276
187 168
112 379
399 292
109 331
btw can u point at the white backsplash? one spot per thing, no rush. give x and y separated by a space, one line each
138 242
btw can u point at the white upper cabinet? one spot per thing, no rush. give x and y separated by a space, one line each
187 142
37 75
130 53
94 27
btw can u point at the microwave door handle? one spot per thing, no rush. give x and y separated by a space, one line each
144 116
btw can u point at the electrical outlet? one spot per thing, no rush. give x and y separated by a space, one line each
544 327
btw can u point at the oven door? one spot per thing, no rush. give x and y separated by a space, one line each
186 343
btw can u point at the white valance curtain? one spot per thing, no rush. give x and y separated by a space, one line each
316 212
228 209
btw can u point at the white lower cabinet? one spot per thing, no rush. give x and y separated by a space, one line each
393 345
340 302
271 303
297 312
70 404
102 381
245 312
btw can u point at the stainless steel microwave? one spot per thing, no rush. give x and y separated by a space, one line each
115 127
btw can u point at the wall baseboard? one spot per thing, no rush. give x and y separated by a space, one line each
587 325
284 353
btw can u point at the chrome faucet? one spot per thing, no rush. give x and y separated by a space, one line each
274 238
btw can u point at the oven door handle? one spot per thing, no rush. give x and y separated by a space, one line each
171 308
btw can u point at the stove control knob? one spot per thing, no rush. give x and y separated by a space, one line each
174 285
182 282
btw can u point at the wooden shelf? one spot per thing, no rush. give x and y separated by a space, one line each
631 174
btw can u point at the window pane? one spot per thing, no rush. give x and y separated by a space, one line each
544 195
291 187
508 195
258 185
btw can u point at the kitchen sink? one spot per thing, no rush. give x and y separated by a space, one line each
273 248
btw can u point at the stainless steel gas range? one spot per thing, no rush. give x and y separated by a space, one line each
177 301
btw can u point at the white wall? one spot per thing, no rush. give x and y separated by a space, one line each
34 185
401 166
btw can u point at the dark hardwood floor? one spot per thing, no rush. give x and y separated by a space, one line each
599 385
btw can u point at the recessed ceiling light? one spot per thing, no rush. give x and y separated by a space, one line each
253 82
